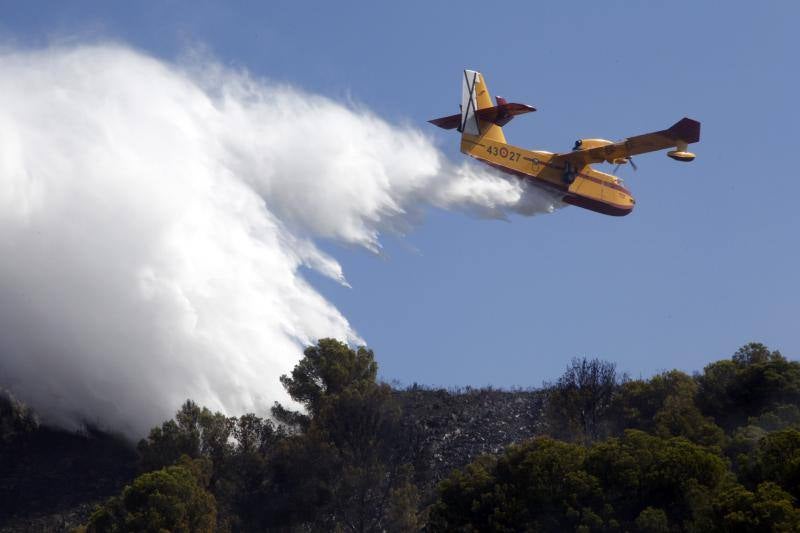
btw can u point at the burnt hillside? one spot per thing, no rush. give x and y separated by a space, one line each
50 480
460 425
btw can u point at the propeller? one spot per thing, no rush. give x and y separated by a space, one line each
626 160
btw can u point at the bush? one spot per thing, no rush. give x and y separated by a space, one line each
171 499
638 480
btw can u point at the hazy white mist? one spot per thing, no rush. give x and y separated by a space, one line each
154 218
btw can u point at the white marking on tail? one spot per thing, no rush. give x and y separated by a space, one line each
469 119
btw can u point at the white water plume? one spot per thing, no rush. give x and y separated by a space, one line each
154 218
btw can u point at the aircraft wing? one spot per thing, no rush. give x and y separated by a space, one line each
685 130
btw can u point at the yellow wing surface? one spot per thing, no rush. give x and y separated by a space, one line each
678 136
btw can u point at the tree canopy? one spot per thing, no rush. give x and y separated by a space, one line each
717 451
171 499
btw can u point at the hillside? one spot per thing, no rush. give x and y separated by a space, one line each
51 480
594 451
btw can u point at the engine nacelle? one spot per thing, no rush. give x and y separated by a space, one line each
588 144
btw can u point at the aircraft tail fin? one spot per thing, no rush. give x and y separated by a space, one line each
478 116
474 98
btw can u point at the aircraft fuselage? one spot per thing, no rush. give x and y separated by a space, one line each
585 187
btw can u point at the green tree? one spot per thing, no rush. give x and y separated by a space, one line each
769 508
776 459
194 432
755 353
352 464
324 371
237 448
755 380
539 485
640 470
253 434
652 520
743 443
171 499
241 477
680 417
781 417
637 482
402 514
665 405
774 509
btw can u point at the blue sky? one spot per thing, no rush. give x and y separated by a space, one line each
707 261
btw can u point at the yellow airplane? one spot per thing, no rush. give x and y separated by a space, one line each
569 174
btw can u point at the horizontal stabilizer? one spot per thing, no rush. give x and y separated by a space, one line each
449 123
503 113
499 114
686 130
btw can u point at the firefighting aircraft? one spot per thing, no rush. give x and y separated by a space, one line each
568 174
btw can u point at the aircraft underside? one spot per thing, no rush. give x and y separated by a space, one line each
592 204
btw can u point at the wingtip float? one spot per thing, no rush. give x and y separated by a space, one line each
570 173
